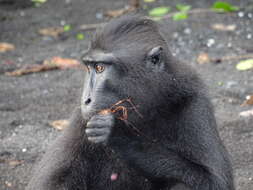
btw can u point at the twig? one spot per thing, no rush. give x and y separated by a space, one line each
139 132
91 26
231 57
116 107
170 15
134 3
193 11
33 69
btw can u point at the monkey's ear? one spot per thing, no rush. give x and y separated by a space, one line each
154 56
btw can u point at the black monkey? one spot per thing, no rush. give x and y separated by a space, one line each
169 135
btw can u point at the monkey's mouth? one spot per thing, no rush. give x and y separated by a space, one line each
121 109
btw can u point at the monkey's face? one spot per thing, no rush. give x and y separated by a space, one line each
111 78
126 60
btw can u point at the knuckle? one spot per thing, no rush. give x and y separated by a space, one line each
89 125
88 131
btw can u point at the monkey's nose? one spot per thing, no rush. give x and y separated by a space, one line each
87 101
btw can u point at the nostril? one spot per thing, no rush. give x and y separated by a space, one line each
87 101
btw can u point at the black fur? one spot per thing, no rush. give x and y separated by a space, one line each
175 140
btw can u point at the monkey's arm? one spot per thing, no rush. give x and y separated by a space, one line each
197 158
60 167
166 164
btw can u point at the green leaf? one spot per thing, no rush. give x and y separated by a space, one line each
245 65
222 6
183 8
79 36
149 1
39 1
180 16
159 11
67 28
156 18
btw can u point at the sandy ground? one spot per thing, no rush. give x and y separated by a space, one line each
28 103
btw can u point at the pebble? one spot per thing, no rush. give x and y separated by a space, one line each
238 32
8 184
20 59
249 36
99 15
248 97
231 84
175 35
63 22
22 13
24 149
229 45
210 42
45 92
250 15
230 100
241 14
47 38
187 31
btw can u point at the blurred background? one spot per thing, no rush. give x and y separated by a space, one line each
41 42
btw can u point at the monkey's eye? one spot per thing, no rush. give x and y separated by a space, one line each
99 68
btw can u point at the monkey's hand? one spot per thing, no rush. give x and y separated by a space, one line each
99 128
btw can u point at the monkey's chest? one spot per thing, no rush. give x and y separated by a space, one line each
114 174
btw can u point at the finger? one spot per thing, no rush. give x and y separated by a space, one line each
99 117
98 124
97 132
99 139
94 124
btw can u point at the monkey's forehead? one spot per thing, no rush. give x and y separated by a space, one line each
98 56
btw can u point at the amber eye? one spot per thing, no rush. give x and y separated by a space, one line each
99 68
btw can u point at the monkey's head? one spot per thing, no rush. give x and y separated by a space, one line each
128 57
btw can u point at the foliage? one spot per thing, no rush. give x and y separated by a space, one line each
182 7
37 3
79 36
245 65
221 6
182 14
149 1
159 11
67 28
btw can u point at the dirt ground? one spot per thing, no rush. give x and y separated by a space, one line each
28 103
